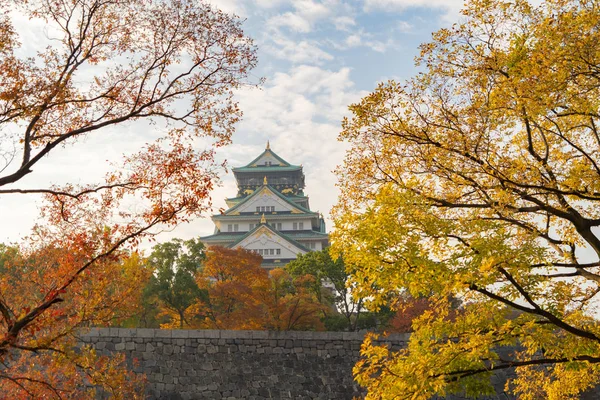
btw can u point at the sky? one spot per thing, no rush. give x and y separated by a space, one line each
316 58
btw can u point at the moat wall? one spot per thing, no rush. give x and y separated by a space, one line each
210 364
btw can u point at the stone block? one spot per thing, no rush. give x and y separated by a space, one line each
120 346
167 350
211 333
92 332
145 332
195 334
231 334
180 333
104 332
212 349
259 334
163 333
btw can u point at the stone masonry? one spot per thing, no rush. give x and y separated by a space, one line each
211 364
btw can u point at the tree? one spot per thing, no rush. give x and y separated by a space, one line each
171 63
478 179
108 294
290 303
243 295
327 271
233 279
174 265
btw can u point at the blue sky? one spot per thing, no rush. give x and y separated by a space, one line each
316 56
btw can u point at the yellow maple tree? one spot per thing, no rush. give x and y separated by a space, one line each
479 179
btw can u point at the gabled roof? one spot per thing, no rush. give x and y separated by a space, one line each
256 165
274 231
235 236
276 192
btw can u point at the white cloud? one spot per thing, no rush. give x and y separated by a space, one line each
451 7
343 23
230 6
307 13
312 10
292 21
404 27
361 38
269 3
296 52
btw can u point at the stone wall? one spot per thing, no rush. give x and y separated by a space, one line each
195 364
208 364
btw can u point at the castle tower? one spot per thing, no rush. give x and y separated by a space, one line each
270 214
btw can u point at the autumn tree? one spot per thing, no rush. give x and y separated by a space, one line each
331 283
233 280
108 294
172 288
165 64
290 303
479 179
243 295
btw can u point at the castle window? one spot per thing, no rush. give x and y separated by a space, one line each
278 251
235 227
295 226
301 226
229 228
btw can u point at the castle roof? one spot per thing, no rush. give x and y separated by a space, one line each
262 226
264 163
267 188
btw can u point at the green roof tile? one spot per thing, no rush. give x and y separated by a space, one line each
281 196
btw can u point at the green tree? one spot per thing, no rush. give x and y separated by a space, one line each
172 286
479 179
331 283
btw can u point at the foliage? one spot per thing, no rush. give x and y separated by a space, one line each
408 309
478 179
331 283
108 294
232 279
291 304
243 295
169 62
173 285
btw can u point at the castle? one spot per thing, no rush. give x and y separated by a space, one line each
270 214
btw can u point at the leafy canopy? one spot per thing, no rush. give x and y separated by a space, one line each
169 64
243 295
174 266
331 283
108 294
479 179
